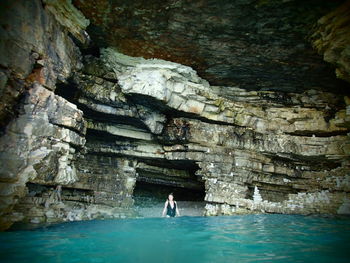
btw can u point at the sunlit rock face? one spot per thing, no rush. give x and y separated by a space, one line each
287 145
250 44
82 124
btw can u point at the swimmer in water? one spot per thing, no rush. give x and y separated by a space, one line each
170 207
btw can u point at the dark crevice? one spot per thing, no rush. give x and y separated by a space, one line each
182 114
37 190
13 106
160 193
66 127
91 50
299 163
106 139
295 176
178 175
190 185
112 118
97 35
93 147
318 134
190 166
68 91
100 76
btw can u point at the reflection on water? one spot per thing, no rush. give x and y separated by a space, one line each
250 238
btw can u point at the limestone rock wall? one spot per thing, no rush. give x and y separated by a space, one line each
332 39
39 146
293 147
42 154
40 132
34 47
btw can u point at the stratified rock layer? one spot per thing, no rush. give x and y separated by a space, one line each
39 147
34 47
291 147
42 134
332 39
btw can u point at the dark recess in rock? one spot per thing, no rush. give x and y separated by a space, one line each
252 44
160 192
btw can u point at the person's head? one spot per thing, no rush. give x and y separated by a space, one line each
171 197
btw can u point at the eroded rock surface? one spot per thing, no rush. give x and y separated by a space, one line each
39 147
250 44
290 146
42 134
332 39
34 47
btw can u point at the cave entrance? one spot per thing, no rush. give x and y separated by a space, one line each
148 192
155 183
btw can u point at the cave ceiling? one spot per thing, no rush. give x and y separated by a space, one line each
256 45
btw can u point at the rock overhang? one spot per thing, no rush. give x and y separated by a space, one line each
255 45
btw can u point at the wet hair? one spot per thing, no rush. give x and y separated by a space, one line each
170 194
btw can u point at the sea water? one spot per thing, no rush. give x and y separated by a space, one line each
249 238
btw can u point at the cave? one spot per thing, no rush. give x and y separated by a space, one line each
156 180
159 193
178 178
122 102
239 108
151 192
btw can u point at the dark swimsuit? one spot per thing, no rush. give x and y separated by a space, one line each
171 211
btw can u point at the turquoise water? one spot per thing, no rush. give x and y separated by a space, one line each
250 238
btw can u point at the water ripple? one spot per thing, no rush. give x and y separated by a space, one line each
251 238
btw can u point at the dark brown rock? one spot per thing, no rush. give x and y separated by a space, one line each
255 45
332 39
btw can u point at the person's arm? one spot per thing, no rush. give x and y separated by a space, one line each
165 205
177 209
